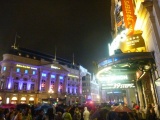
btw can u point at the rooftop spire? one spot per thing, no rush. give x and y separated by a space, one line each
73 59
55 54
15 40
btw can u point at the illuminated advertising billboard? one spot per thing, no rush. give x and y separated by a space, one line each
134 43
117 81
117 86
128 14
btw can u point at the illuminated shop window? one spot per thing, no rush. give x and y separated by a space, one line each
18 70
4 68
43 75
26 71
33 72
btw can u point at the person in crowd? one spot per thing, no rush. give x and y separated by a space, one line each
11 113
156 110
150 114
18 115
2 116
29 115
77 114
41 115
50 114
66 115
86 114
133 104
58 116
32 111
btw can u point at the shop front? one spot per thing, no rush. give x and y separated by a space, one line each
23 100
14 100
31 100
117 75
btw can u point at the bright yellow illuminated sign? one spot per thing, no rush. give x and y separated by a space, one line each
25 66
54 67
70 75
134 43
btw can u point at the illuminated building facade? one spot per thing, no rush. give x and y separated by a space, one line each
90 89
32 77
134 50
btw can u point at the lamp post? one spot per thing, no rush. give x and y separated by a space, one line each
65 99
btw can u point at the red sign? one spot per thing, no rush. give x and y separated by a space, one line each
128 14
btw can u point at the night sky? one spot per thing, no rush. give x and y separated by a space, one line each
79 27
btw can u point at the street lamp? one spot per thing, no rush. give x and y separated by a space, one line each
65 99
50 92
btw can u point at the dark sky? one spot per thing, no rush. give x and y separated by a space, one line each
81 27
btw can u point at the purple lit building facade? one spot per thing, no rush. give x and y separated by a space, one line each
32 77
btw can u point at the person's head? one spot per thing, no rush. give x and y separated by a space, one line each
11 109
67 110
76 110
85 108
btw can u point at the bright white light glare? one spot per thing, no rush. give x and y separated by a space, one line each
117 41
101 71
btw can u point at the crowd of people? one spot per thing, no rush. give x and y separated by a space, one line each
61 112
58 112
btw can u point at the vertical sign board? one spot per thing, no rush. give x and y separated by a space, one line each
128 14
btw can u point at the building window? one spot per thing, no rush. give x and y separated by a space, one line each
33 80
26 71
25 79
68 90
17 78
72 90
43 75
52 85
33 72
52 76
60 90
18 70
60 77
24 87
32 87
43 83
76 90
16 86
4 68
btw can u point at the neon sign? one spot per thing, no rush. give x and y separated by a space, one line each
70 75
25 66
110 79
54 67
119 85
